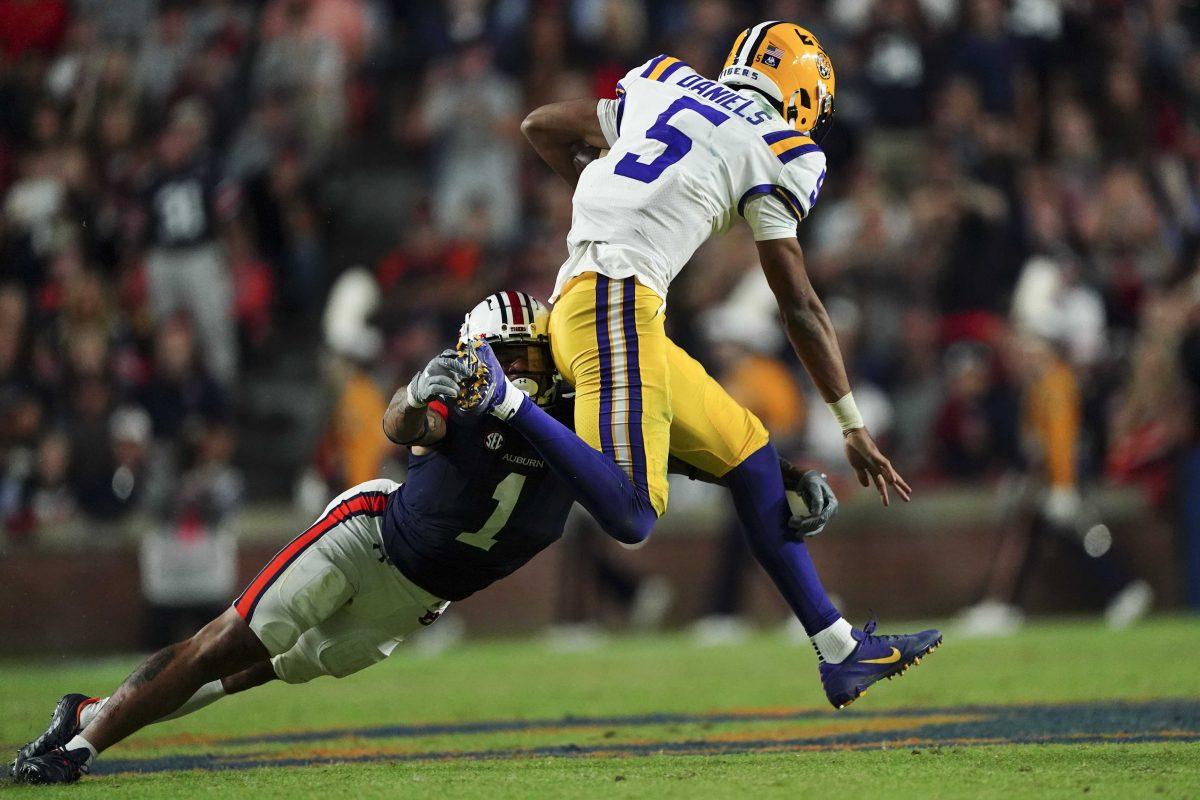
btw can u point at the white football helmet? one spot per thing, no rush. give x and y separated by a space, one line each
515 319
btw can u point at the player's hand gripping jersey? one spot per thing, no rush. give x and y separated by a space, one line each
687 157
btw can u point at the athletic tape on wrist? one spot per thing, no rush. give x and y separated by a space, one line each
846 412
513 397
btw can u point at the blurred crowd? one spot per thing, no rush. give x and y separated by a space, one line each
1007 242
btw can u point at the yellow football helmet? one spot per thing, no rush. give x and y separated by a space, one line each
788 64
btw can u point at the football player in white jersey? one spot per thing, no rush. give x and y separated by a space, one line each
686 156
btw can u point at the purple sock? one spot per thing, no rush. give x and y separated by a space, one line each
758 496
622 509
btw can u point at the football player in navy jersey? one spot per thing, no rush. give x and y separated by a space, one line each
384 559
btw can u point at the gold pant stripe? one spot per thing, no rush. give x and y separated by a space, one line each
666 404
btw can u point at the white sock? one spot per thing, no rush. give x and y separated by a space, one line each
207 694
79 742
835 644
89 712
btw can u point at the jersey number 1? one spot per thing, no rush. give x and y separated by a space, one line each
678 143
506 494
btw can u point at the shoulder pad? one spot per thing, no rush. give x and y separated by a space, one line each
658 68
788 144
799 176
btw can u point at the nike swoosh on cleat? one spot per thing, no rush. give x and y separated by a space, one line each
892 659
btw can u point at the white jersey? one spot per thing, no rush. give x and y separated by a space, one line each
687 156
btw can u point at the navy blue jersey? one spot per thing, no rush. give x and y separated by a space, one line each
181 205
475 508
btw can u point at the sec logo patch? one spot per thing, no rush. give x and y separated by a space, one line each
494 441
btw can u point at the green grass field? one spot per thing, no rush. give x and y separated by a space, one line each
1065 709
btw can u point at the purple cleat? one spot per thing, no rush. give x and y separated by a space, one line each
875 657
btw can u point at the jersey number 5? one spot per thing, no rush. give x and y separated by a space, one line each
678 143
506 495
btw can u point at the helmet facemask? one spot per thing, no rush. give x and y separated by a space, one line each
529 365
800 110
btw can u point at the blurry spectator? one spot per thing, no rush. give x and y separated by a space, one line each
305 59
1051 414
164 52
181 395
12 341
117 21
186 268
1156 424
744 336
471 111
429 272
353 447
280 200
974 430
42 497
189 563
987 55
129 430
1188 487
28 26
254 291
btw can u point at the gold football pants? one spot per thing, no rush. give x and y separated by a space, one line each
638 395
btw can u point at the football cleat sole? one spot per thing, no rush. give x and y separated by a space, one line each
897 672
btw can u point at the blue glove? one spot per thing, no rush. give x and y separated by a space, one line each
490 391
820 499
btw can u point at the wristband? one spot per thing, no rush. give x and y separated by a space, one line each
508 407
846 412
408 398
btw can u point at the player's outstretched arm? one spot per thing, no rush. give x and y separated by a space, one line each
557 131
408 419
621 508
812 336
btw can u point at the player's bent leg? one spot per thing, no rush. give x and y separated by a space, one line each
205 696
304 584
159 686
74 712
173 675
361 634
712 432
608 340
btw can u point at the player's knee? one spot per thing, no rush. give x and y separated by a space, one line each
632 528
224 646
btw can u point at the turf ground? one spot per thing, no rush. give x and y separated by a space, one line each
1065 709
